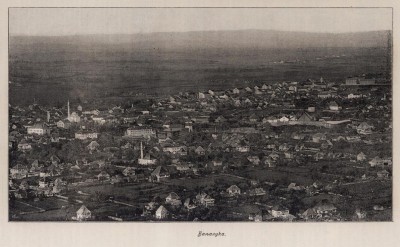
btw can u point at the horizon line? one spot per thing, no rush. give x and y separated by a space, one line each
194 31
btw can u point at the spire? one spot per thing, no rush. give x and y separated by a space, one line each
141 150
68 110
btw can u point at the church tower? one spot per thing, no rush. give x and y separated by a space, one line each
68 110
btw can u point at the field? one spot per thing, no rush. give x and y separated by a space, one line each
54 72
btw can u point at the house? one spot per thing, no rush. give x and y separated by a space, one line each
161 213
236 91
129 171
309 214
324 95
293 186
93 146
305 117
175 149
361 156
284 147
253 118
189 126
159 174
83 213
183 167
284 119
188 204
220 119
360 214
24 145
383 174
44 182
74 118
217 162
279 212
201 119
173 199
243 149
375 161
103 175
63 124
333 106
233 190
318 137
200 151
364 129
257 192
205 200
325 208
255 160
19 171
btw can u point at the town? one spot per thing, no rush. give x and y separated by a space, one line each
311 150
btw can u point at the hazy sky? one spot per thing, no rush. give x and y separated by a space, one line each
70 21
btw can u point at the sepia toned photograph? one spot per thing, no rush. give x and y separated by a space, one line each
200 114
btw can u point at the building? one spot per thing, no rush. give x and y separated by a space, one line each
24 146
333 106
361 156
200 150
159 174
38 129
179 150
173 199
146 159
205 200
83 135
140 132
233 190
364 128
161 213
129 171
83 213
74 118
64 124
360 81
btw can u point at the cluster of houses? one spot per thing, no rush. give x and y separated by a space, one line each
193 134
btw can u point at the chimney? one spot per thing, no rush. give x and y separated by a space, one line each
48 116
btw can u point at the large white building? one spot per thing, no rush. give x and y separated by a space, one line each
39 129
140 132
86 135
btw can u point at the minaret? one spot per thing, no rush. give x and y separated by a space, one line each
141 150
68 110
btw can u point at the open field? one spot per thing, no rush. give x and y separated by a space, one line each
60 72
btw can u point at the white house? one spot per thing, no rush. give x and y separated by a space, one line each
161 213
83 213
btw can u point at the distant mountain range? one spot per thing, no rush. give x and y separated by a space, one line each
241 39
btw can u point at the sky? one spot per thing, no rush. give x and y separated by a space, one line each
75 21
